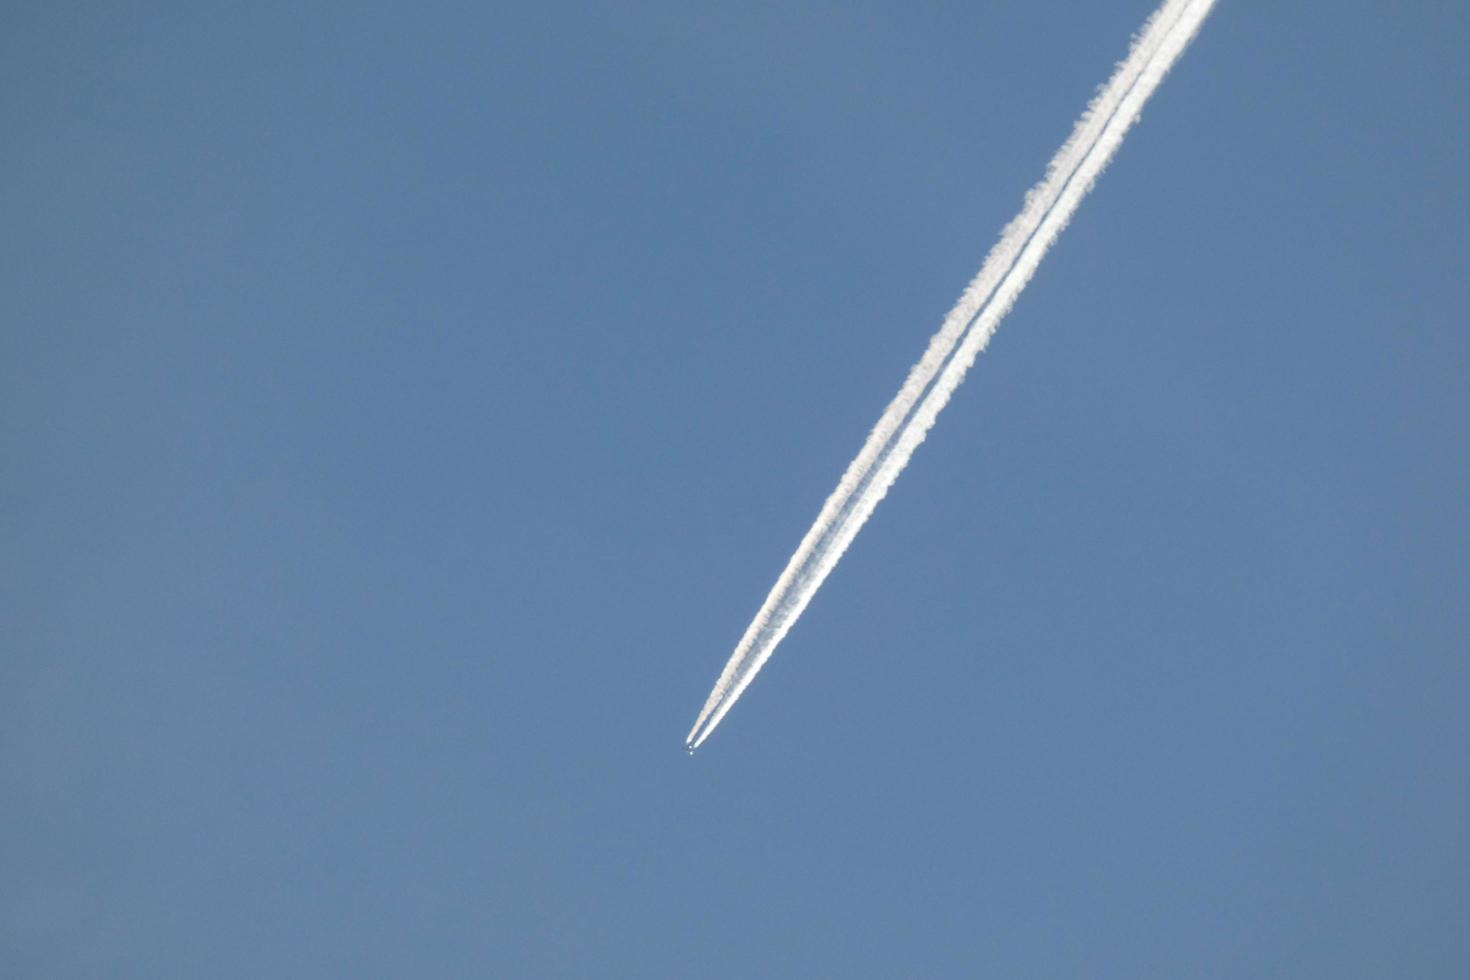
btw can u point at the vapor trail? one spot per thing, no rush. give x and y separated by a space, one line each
1039 201
951 352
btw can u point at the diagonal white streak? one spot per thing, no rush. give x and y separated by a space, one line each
965 332
1039 201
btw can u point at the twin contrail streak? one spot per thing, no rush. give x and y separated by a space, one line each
951 352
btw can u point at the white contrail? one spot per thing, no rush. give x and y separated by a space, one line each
965 332
1002 256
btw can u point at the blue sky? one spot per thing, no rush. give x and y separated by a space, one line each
404 410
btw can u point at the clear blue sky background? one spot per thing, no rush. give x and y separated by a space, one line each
404 408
